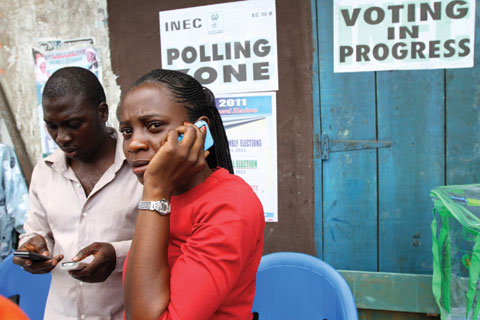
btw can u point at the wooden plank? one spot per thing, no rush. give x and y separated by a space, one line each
18 145
411 115
392 291
347 111
317 133
463 120
394 315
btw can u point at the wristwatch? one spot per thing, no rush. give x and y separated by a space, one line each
163 207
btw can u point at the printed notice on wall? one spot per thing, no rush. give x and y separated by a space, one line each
250 122
399 35
52 55
229 48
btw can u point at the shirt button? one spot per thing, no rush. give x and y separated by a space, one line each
79 185
81 283
85 214
82 316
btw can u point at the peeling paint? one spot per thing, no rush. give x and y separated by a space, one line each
348 159
476 150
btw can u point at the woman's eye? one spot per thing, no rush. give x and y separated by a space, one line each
126 131
154 125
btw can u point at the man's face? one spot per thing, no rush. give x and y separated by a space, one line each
77 127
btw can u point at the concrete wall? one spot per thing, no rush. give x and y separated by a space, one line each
22 24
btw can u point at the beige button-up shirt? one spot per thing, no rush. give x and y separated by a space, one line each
69 220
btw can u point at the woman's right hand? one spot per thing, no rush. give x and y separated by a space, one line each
175 163
37 244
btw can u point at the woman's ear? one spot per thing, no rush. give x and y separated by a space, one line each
204 118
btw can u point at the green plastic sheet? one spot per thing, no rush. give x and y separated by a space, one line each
456 251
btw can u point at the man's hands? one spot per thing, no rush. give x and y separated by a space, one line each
101 266
98 270
37 244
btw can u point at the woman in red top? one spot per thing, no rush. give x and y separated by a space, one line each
200 262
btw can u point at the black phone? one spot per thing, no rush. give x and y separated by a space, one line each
31 255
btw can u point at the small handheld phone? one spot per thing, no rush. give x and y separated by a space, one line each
31 255
208 137
71 265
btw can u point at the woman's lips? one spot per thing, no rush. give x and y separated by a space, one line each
139 166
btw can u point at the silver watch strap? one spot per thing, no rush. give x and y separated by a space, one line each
162 207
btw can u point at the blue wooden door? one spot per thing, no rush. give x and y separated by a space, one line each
383 140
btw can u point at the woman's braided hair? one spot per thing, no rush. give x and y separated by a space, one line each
199 101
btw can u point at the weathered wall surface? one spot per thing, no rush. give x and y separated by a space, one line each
22 24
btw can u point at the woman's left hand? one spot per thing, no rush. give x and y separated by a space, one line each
176 162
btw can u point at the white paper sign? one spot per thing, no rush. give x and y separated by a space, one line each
372 35
250 123
229 48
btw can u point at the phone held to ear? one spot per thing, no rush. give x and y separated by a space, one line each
208 137
71 265
31 255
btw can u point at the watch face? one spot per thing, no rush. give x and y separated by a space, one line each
163 207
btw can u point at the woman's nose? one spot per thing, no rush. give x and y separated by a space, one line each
137 142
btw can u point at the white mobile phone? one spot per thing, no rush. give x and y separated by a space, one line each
71 265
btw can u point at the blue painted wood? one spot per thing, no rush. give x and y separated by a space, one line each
403 292
463 119
411 115
317 133
432 118
347 111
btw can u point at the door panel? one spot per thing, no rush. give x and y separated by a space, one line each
463 120
350 214
411 115
349 179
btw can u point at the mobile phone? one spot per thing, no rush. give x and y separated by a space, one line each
31 255
71 265
208 137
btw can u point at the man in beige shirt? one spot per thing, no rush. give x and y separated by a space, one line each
83 201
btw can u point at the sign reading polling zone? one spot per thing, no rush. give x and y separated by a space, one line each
393 35
229 47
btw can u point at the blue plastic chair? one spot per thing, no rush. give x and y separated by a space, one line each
293 285
32 289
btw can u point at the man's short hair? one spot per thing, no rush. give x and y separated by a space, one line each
75 80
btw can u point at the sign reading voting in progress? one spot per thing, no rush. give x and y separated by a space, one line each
398 35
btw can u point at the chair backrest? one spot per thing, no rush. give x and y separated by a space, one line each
32 289
293 285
